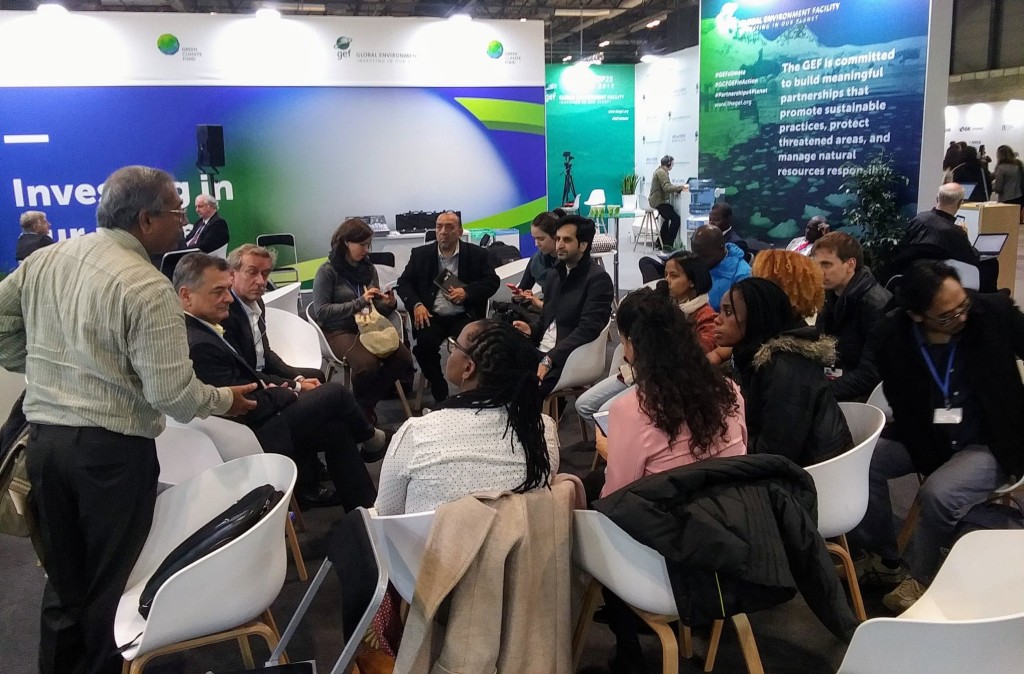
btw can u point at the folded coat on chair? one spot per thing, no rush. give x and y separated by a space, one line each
739 534
500 571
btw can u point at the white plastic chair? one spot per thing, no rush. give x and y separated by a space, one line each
877 399
292 338
970 619
596 198
575 208
217 597
285 298
221 252
638 576
649 229
232 441
403 538
842 486
184 453
970 277
11 386
583 367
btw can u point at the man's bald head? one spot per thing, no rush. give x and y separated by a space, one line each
951 195
709 244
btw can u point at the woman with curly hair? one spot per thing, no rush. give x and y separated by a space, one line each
489 437
797 275
683 409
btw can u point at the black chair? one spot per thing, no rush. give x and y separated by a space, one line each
429 235
170 260
283 273
384 259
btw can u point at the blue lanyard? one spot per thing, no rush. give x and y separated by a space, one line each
942 384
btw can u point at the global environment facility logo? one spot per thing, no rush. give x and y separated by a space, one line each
342 44
168 44
495 49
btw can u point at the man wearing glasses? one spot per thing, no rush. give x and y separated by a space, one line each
210 231
949 372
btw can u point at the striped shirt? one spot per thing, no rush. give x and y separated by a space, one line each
100 335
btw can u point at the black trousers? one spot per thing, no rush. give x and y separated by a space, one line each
94 492
651 269
670 221
428 348
325 419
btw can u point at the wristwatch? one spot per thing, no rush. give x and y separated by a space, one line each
546 362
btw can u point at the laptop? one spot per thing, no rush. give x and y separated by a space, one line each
968 190
990 244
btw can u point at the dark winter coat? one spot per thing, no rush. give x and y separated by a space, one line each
849 318
739 534
791 410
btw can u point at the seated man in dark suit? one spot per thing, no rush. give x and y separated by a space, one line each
577 300
289 419
35 234
245 328
439 315
210 231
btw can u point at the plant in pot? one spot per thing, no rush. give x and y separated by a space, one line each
876 211
629 185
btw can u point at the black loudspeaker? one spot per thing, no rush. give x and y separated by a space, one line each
210 145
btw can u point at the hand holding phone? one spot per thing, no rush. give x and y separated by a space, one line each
514 288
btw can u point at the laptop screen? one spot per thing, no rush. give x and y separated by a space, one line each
990 244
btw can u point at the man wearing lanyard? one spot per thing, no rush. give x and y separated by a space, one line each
949 371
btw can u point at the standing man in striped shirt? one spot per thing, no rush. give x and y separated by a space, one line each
101 337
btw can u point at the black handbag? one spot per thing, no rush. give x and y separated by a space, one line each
216 533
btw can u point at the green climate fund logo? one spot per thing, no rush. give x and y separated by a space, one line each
495 49
168 44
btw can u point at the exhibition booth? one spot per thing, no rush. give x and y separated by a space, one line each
329 117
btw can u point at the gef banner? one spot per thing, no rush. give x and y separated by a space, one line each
795 94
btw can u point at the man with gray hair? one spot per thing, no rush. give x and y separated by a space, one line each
35 234
96 329
935 234
289 418
210 232
660 197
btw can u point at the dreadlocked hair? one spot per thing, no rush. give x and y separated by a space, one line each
676 384
506 368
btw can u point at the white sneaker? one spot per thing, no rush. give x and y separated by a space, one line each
904 596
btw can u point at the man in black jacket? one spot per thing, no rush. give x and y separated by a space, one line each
577 300
35 234
937 228
246 326
211 230
949 372
854 304
439 315
289 419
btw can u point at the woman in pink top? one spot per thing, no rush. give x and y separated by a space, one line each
683 409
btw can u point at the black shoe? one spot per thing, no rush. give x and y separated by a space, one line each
628 658
374 449
322 497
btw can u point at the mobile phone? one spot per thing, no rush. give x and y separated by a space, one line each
388 287
513 287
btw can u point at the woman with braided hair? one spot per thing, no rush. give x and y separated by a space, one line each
682 409
489 437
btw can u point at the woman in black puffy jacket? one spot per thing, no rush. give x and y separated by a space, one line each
790 407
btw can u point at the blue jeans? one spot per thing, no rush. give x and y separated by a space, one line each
965 480
599 397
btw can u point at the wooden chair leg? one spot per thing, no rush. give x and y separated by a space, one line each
669 645
238 634
747 644
274 636
419 383
583 427
300 524
716 636
686 640
842 551
591 598
908 527
293 545
405 403
243 646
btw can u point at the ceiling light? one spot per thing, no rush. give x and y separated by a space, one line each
522 20
583 12
604 43
654 24
305 7
566 58
648 58
461 16
267 13
51 9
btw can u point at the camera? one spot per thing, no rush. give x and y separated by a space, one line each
568 155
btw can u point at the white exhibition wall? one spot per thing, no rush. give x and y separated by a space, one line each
988 124
323 117
667 111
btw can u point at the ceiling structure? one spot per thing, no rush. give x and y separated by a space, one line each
623 23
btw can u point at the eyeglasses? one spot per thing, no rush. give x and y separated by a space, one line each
180 212
454 344
949 318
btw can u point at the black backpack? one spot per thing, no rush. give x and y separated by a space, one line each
216 533
502 253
